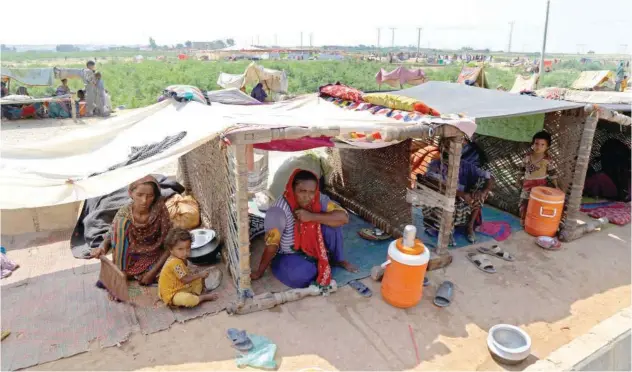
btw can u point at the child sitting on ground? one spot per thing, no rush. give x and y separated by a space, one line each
176 285
538 169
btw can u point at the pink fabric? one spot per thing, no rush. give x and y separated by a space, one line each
617 213
499 230
400 74
301 144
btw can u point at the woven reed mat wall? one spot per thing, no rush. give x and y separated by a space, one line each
505 157
375 181
208 174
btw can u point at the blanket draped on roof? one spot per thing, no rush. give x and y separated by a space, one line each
400 76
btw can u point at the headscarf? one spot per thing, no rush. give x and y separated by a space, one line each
308 236
149 237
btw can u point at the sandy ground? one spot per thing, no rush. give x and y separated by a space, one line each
554 296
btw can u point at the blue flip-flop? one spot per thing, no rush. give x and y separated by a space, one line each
362 289
240 339
426 282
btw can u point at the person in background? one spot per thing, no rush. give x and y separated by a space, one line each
5 91
102 107
63 89
90 82
81 95
620 77
22 91
177 286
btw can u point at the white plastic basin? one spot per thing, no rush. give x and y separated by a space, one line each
508 344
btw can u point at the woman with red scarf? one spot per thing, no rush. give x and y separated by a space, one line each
303 235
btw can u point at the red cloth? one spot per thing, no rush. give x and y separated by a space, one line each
301 144
617 213
341 91
308 236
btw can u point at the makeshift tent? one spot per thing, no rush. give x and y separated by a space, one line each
273 80
594 80
473 74
103 157
400 76
505 124
523 83
616 101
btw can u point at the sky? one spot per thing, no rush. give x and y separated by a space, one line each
604 26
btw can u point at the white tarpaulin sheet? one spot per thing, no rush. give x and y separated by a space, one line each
57 171
30 76
228 81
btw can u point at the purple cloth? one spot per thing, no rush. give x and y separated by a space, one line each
298 270
499 230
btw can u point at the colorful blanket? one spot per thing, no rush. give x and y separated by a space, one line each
617 213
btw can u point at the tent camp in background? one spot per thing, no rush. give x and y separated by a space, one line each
274 82
400 77
594 80
525 83
474 75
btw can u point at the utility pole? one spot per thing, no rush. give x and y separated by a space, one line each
258 43
418 42
546 26
511 25
392 37
301 41
276 40
378 40
311 38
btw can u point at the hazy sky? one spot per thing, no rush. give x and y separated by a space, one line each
601 25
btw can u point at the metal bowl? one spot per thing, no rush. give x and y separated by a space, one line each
202 237
508 344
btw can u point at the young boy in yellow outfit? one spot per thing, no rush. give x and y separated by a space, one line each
176 285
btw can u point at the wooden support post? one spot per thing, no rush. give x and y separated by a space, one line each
579 174
243 224
447 218
73 107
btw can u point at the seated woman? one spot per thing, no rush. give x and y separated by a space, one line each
303 235
474 185
138 233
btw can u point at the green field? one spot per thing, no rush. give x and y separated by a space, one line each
139 84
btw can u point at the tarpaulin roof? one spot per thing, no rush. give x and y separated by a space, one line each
30 76
450 98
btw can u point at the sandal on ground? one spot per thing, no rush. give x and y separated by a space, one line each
496 251
551 244
373 234
240 339
443 298
362 289
471 237
481 262
426 282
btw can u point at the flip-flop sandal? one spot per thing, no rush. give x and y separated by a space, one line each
496 251
240 339
551 244
443 297
426 282
362 289
374 234
481 262
471 237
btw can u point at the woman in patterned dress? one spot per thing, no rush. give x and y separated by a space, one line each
138 233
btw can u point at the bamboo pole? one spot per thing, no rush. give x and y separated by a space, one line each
447 218
581 167
243 224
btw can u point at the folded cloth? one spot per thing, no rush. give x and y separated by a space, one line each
341 91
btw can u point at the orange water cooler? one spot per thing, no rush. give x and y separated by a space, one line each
544 211
404 270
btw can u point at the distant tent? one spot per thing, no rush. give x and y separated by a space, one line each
594 80
273 81
400 76
241 48
524 83
476 75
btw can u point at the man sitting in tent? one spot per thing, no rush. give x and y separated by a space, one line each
474 186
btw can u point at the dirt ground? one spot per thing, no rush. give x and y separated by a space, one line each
554 296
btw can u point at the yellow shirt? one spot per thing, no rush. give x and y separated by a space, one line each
169 282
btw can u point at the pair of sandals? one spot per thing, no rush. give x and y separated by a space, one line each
481 261
240 339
